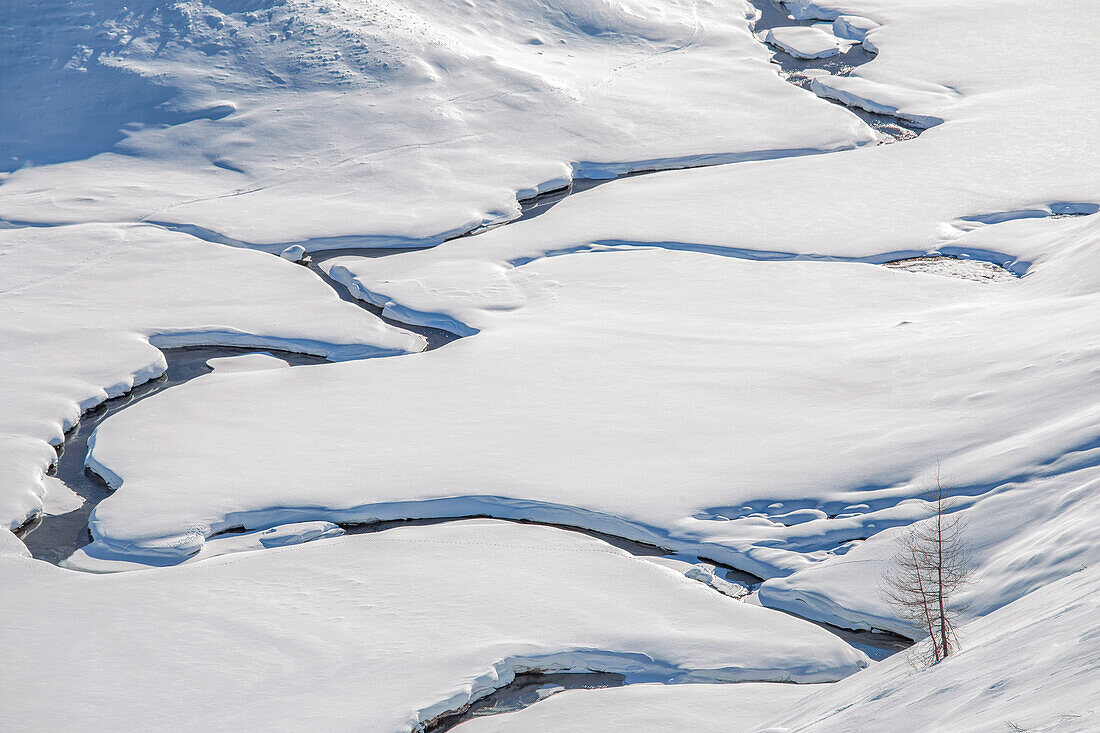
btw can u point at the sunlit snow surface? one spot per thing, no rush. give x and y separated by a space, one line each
648 708
380 120
393 628
83 303
763 362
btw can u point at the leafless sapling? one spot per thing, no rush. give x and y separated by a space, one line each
930 567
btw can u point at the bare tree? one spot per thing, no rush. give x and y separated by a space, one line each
930 567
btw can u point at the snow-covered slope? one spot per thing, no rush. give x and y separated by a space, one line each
1023 536
271 121
1029 666
650 709
709 359
387 630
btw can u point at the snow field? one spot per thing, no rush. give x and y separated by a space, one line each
739 408
289 122
707 359
85 305
393 628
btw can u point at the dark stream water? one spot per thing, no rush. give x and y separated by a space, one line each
773 15
525 690
53 538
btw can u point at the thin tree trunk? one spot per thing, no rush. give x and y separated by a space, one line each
926 609
941 591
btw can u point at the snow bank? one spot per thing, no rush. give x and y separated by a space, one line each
294 253
809 10
246 363
95 558
81 305
59 498
11 546
732 409
853 27
391 628
650 708
881 98
804 43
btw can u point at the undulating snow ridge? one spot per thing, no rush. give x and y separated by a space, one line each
393 629
1027 666
85 306
949 260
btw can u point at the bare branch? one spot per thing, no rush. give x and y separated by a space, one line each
930 567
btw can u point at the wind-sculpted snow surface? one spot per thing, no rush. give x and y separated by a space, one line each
394 629
83 306
382 121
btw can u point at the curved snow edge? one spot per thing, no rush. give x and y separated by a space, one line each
150 371
450 322
143 374
816 606
220 336
832 88
180 545
635 666
398 312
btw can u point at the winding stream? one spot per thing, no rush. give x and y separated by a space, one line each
801 72
54 537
